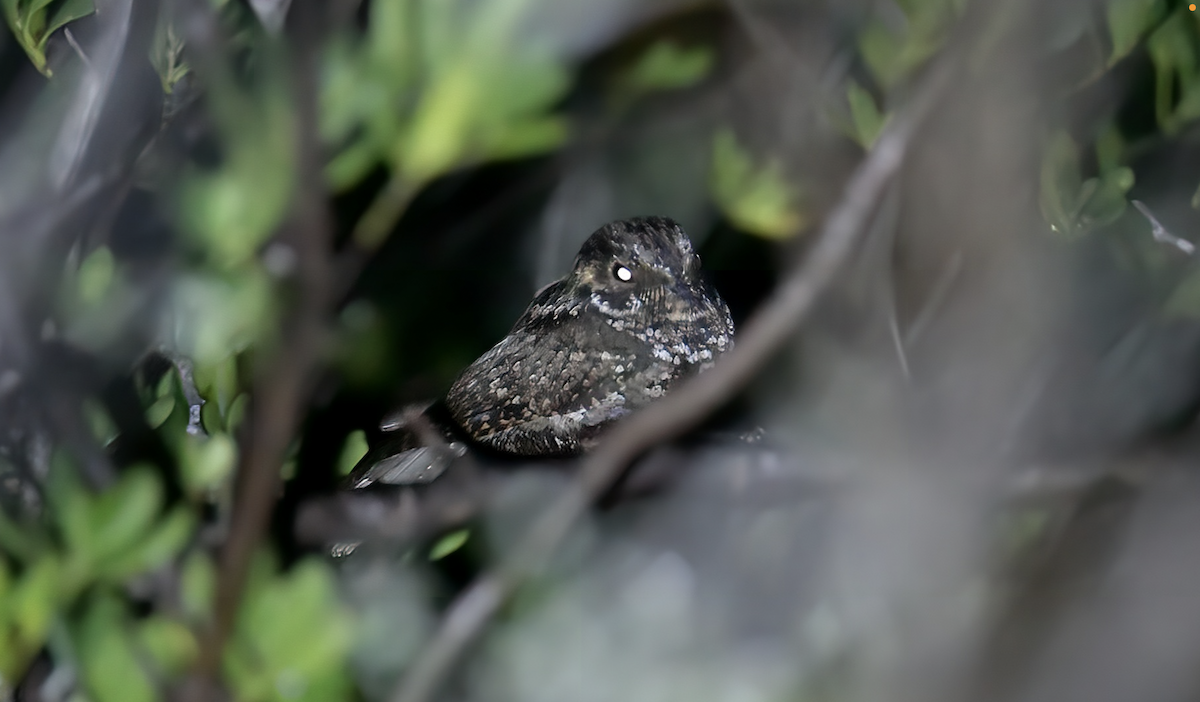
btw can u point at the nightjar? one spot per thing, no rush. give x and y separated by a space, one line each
632 318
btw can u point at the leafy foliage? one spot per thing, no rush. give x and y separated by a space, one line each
754 198
434 87
33 21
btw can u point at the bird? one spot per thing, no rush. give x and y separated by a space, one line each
632 318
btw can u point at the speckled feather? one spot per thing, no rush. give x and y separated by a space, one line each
630 320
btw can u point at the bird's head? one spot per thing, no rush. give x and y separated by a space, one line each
640 269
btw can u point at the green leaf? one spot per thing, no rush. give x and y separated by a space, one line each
152 552
237 412
755 198
1128 20
1173 50
1110 149
354 448
34 602
233 209
34 23
868 121
122 515
448 544
96 275
72 507
389 41
21 541
292 637
170 643
881 51
107 658
206 462
1061 184
526 138
166 52
9 7
667 66
103 428
197 586
437 138
351 164
158 412
1107 201
68 11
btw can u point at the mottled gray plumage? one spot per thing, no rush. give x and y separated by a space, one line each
631 319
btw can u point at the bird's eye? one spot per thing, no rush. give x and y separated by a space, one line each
622 273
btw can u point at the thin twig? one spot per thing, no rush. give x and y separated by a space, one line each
1160 233
763 335
280 394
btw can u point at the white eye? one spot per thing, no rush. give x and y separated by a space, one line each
622 273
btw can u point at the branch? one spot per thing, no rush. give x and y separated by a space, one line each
772 324
279 397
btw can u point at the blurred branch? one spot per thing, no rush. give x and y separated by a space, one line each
280 394
764 334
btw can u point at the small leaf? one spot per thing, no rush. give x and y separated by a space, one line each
1110 149
103 428
755 198
166 540
353 450
527 138
1127 21
108 661
96 275
881 51
437 138
158 412
34 601
1107 202
207 462
667 66
291 632
171 644
197 586
868 121
68 11
1061 183
123 513
448 544
237 412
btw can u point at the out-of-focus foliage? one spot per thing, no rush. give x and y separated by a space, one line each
167 53
70 564
867 118
292 637
893 49
1072 204
666 66
1175 49
433 87
1128 21
754 196
33 21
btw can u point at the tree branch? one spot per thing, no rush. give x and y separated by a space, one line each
279 398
